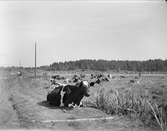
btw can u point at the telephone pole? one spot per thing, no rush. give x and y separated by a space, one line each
19 63
35 59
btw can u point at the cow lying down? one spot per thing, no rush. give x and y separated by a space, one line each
69 95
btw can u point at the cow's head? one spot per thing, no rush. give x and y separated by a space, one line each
85 87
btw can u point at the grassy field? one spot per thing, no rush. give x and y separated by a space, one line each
144 100
136 103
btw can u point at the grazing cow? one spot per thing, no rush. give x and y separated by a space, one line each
82 75
99 76
132 81
58 77
109 76
91 76
75 80
69 94
55 76
75 76
105 79
53 81
122 76
98 81
92 83
19 73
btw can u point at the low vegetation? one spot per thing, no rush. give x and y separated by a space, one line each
136 103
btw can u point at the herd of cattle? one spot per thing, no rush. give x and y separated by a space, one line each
70 92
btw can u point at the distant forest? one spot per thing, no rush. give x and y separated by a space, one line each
156 65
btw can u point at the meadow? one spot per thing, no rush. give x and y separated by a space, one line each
145 99
125 95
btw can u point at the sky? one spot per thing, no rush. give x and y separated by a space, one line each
72 30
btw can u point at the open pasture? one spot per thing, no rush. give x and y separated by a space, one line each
125 97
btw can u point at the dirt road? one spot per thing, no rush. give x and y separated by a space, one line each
23 106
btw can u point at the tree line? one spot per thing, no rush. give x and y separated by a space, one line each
156 65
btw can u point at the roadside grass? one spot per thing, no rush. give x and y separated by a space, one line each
135 102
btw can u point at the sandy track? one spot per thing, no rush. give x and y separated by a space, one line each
8 117
26 100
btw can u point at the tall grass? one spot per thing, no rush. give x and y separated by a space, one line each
134 103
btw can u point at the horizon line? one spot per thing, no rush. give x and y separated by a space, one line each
8 66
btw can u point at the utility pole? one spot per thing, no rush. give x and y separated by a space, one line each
35 58
19 63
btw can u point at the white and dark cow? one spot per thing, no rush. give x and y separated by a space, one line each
69 94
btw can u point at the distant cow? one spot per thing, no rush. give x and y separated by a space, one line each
99 76
55 76
122 76
58 77
98 81
75 80
109 76
92 83
53 81
75 76
69 94
82 75
91 76
19 73
132 81
105 79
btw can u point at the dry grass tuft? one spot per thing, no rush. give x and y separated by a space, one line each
136 103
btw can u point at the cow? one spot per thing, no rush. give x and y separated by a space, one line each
75 80
122 76
58 77
98 81
69 94
19 73
132 81
91 76
92 83
99 76
55 76
105 79
82 76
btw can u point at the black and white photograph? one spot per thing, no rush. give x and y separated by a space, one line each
68 65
